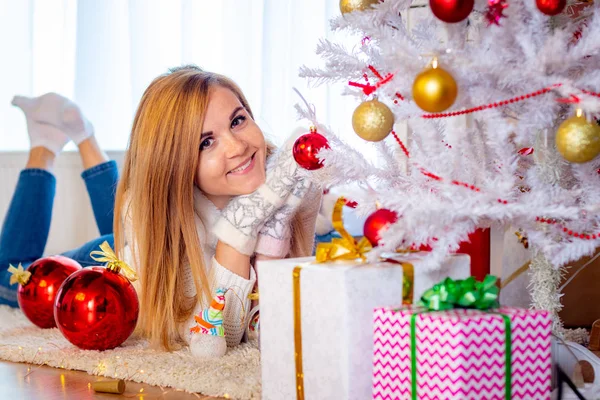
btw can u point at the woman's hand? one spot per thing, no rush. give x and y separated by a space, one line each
275 237
244 216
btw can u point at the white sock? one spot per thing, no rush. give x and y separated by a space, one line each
62 113
44 135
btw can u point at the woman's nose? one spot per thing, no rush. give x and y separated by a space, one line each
235 146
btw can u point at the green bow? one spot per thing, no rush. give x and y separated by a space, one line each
462 293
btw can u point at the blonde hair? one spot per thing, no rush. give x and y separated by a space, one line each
156 194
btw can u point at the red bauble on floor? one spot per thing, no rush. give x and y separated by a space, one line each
96 309
306 148
36 297
451 10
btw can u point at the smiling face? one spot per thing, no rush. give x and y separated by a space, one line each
232 149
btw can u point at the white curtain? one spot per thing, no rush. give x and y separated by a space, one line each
104 53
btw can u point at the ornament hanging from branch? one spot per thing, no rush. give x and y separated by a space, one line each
495 11
348 6
306 148
577 139
551 7
372 120
377 223
451 11
434 90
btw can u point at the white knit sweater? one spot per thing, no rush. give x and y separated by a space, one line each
234 317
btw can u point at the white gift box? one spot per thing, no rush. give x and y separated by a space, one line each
336 330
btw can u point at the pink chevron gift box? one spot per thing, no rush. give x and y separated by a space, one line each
335 314
462 354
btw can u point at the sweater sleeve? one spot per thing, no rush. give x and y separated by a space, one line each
309 210
237 304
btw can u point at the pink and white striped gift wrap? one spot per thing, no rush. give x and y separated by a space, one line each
462 354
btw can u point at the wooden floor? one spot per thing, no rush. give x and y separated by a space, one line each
25 382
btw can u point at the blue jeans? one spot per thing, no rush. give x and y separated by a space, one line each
26 226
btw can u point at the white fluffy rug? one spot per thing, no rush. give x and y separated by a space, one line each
236 375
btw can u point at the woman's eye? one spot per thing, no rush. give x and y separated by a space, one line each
206 143
237 121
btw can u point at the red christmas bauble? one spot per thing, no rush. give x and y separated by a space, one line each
451 10
96 309
377 223
551 7
36 297
306 148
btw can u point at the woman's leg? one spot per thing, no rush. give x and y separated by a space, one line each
100 174
82 254
25 229
101 177
27 222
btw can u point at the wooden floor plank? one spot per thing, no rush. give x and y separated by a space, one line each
28 382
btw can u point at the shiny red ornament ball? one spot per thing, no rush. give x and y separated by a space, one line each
36 297
551 7
306 148
96 309
451 10
377 223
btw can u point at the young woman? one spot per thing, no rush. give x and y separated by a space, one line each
202 195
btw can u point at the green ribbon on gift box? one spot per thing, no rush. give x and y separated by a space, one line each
468 293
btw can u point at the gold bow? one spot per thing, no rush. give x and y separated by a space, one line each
346 247
19 275
108 256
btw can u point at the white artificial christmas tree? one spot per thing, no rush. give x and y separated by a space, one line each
490 158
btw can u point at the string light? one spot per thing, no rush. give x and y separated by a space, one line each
101 368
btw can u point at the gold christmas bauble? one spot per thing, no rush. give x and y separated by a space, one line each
434 90
578 140
372 120
347 6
